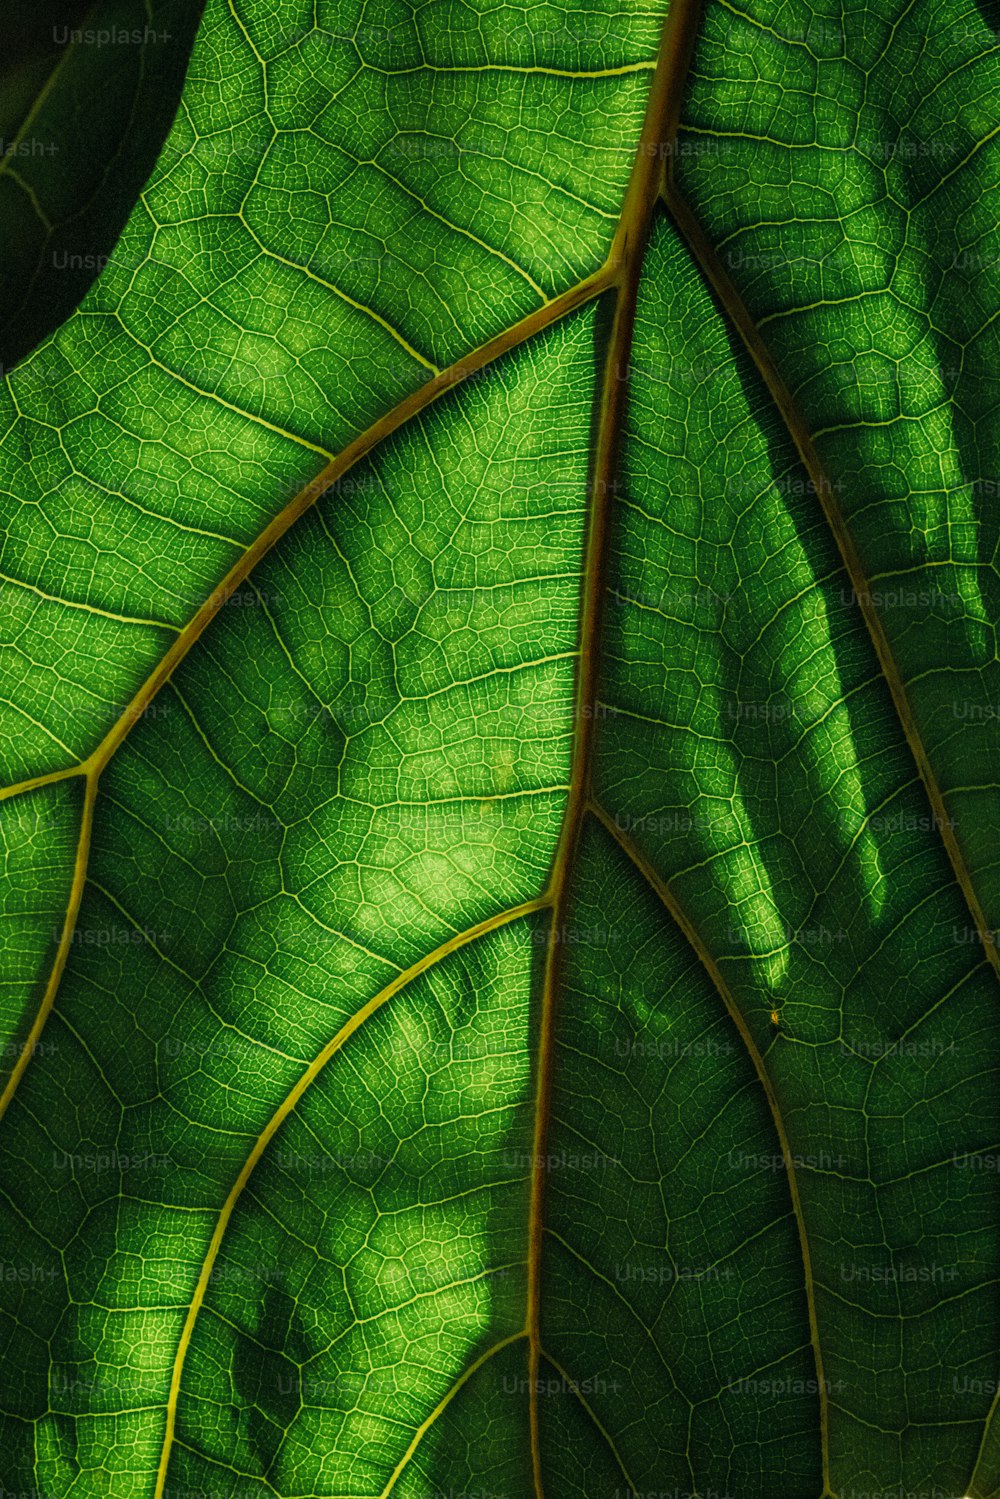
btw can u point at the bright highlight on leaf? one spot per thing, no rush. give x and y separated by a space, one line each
498 704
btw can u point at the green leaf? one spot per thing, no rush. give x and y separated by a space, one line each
89 93
499 717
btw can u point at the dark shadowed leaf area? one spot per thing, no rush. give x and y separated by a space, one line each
87 96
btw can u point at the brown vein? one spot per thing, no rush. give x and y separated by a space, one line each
277 1119
628 250
669 900
595 1420
718 278
417 401
62 951
92 767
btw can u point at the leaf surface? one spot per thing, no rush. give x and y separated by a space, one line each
500 996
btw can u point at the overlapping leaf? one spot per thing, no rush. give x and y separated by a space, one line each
88 92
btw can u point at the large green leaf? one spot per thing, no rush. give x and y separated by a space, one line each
500 715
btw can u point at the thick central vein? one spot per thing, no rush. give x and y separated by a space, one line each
628 250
